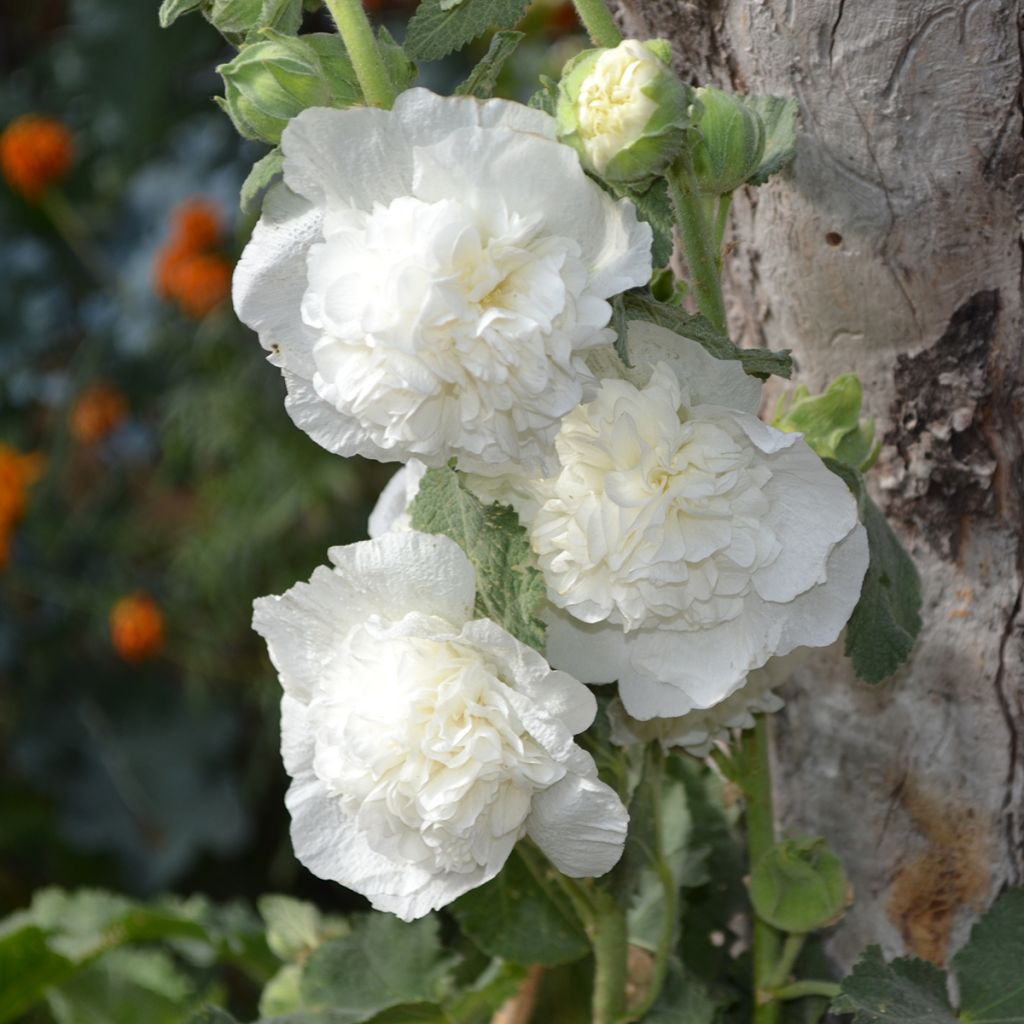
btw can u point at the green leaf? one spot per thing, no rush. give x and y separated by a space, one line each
172 10
435 32
235 18
887 619
517 918
259 178
294 927
990 968
495 986
28 967
508 587
654 206
779 116
484 77
758 362
283 15
412 1013
546 97
381 963
283 993
905 991
683 1000
400 69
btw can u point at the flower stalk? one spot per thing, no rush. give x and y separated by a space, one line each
696 232
606 930
598 22
355 31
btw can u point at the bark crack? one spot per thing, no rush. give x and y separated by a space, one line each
835 29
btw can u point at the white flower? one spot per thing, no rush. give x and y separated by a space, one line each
429 277
422 743
697 731
684 543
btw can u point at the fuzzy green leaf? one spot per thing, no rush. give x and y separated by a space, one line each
259 177
779 116
990 968
172 10
902 992
516 918
381 963
654 206
683 1000
400 69
484 77
435 32
758 362
508 587
887 619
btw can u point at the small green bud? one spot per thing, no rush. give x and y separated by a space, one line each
730 144
624 110
272 80
799 885
831 422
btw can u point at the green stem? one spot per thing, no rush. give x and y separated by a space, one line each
355 31
65 220
701 254
800 989
721 223
782 970
607 933
598 22
756 781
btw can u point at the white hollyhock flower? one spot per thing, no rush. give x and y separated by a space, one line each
683 541
423 743
429 277
697 731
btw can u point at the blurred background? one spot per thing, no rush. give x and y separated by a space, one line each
151 484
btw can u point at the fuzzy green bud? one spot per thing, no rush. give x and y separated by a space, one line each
731 142
624 110
272 80
831 422
799 885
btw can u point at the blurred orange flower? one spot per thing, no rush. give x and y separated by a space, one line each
137 627
187 272
18 471
97 413
35 153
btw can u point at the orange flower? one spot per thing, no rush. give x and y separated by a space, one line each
17 473
35 153
197 225
137 627
97 413
201 283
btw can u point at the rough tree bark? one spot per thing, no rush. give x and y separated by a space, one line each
893 249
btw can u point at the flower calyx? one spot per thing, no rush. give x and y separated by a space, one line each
729 142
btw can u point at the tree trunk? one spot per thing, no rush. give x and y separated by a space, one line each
892 248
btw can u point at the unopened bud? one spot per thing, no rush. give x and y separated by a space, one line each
731 142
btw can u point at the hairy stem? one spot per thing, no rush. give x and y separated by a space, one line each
355 31
607 932
782 970
696 233
756 781
598 22
801 989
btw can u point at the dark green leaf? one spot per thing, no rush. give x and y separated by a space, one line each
497 984
259 177
172 10
620 325
779 116
887 618
28 967
904 991
683 1000
655 207
990 968
758 362
508 587
483 78
515 917
381 963
439 26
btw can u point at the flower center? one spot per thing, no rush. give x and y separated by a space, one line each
416 738
653 516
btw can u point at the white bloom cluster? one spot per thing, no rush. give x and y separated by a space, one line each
423 743
429 279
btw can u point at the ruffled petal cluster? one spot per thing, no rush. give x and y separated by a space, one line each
429 280
423 743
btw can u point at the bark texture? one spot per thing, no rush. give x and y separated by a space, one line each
893 249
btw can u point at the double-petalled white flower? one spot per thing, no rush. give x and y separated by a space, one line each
424 743
428 278
683 541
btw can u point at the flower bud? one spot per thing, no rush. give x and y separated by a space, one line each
799 885
271 81
137 628
731 143
624 110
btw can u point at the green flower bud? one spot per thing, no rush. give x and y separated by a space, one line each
272 80
624 110
831 422
731 142
799 885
